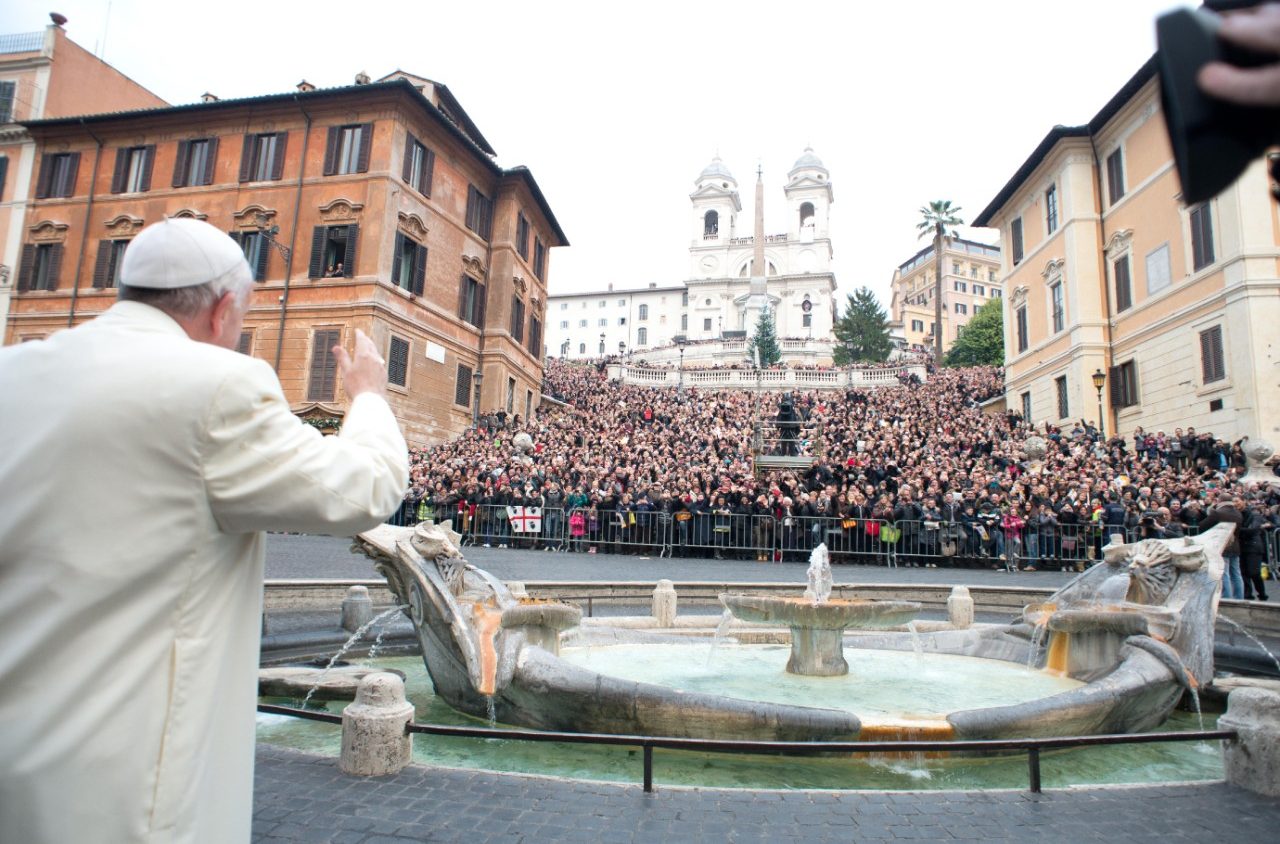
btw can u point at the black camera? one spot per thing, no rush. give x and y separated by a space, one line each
1213 141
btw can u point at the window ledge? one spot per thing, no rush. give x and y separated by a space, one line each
1214 387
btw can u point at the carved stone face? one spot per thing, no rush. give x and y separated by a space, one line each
1151 573
1258 451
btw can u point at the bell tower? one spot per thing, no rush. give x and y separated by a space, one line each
716 206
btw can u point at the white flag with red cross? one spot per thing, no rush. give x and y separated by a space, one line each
525 519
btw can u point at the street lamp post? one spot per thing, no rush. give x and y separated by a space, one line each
1100 381
477 378
602 344
680 387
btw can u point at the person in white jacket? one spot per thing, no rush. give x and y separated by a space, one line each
142 459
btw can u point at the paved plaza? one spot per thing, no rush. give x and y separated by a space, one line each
305 798
323 557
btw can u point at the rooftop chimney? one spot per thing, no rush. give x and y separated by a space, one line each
362 78
58 20
206 97
305 86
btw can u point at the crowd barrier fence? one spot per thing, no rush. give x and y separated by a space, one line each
722 534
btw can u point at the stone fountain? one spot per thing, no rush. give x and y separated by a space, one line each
1133 634
817 622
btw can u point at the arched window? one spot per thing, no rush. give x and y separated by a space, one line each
642 337
582 348
644 313
806 214
711 224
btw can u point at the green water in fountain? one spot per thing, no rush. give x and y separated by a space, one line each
1138 763
893 684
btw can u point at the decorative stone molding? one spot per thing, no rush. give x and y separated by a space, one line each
473 266
413 225
124 225
324 417
254 216
1053 268
1018 296
340 210
536 301
188 214
1119 242
519 284
49 231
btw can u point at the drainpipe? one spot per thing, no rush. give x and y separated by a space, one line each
84 238
1106 285
293 234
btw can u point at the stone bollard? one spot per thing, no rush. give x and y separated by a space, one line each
357 609
1253 760
960 608
664 604
374 741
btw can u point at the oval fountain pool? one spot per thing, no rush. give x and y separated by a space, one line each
893 684
1143 763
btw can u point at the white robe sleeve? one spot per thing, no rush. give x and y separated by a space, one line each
264 469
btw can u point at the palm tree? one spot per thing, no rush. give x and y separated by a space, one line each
939 219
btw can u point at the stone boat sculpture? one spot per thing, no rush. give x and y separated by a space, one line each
1135 629
492 655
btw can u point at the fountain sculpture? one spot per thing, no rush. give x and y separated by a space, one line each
817 622
1134 632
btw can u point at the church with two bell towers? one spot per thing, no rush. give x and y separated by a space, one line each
736 271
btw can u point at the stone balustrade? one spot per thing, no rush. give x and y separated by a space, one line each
765 379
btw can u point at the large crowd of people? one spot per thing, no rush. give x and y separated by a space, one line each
915 474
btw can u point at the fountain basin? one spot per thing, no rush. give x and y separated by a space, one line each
817 627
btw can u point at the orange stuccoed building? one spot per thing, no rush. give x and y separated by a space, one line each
376 206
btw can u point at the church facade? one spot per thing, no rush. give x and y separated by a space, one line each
736 270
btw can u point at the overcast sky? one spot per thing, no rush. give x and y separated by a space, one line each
617 107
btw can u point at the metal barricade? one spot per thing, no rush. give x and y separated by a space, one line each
848 540
498 526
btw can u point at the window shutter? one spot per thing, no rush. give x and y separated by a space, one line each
28 263
1116 389
246 157
73 170
398 362
324 367
462 386
462 297
349 264
179 166
407 169
246 342
331 150
55 265
277 163
148 164
102 266
316 267
264 260
42 183
366 144
117 175
4 173
235 235
397 252
210 161
481 303
428 170
419 270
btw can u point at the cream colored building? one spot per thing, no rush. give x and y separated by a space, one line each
969 280
1104 268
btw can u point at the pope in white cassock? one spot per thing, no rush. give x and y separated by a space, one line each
140 461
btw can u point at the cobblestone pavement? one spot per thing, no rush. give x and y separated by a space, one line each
309 557
299 797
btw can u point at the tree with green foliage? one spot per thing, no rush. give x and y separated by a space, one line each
862 334
981 339
939 218
765 342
